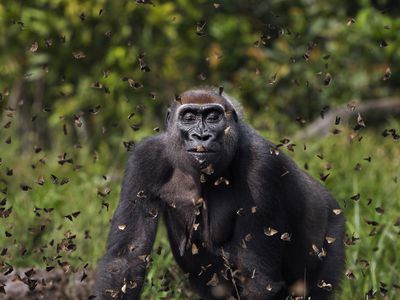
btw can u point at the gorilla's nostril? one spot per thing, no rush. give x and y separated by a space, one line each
206 137
201 137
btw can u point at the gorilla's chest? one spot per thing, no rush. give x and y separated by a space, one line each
203 215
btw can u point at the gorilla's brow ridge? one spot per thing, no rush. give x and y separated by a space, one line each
195 105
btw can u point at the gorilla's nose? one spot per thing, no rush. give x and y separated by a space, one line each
200 137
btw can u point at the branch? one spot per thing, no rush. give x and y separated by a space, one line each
372 112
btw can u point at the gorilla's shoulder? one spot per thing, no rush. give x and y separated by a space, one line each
148 148
149 157
257 147
265 158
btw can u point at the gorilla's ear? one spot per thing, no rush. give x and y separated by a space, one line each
167 117
235 116
232 113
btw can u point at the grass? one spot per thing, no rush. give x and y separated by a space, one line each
34 236
374 258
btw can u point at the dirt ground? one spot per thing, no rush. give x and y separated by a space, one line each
40 284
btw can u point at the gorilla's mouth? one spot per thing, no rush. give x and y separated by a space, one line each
201 154
202 157
201 150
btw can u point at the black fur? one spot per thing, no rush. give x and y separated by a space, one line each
255 229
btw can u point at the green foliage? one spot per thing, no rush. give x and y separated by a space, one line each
270 54
376 180
372 258
83 77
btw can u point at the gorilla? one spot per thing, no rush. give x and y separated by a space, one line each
243 221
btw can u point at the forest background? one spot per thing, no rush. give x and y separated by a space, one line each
82 81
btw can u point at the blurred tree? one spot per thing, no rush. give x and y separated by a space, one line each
81 67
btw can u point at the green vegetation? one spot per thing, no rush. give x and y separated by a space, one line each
86 78
376 180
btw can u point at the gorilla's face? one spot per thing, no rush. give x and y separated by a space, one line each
204 134
201 129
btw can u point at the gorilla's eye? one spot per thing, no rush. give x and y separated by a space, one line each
213 116
188 117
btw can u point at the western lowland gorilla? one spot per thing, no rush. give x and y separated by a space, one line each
243 221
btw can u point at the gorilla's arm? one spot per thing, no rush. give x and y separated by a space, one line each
131 237
290 216
257 246
259 262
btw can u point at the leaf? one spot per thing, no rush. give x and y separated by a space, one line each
330 239
270 231
34 47
337 211
78 54
195 250
387 74
285 237
327 79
